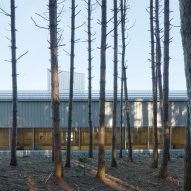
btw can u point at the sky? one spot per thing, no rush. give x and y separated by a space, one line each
32 68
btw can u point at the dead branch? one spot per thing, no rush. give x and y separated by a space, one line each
22 55
46 19
48 177
41 27
4 12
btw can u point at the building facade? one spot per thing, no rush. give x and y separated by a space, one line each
34 119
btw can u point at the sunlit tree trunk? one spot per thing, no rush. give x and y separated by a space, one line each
164 166
14 86
101 152
154 89
185 15
68 152
55 87
90 80
115 62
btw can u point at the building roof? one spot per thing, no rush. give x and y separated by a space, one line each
45 95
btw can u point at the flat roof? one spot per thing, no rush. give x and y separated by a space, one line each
45 95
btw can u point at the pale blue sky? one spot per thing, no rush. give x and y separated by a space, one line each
32 68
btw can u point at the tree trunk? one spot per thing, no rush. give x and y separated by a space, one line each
14 87
90 80
185 14
124 8
154 89
121 118
130 156
115 62
55 88
158 61
101 153
164 166
68 152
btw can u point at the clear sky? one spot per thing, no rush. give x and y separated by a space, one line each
32 68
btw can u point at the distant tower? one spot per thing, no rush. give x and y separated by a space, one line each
64 79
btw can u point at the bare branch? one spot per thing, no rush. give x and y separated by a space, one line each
4 12
22 55
46 19
41 27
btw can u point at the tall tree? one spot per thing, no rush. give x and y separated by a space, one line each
154 88
73 16
158 58
101 152
124 8
122 133
55 87
89 2
185 15
14 86
115 62
164 166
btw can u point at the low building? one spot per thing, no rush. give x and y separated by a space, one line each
34 119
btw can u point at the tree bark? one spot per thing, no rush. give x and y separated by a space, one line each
55 87
90 80
158 60
121 118
124 8
130 152
154 89
13 161
68 152
101 152
185 14
115 62
164 166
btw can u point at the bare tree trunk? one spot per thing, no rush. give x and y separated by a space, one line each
68 152
164 166
154 88
121 118
14 86
115 62
123 30
130 156
158 60
90 80
185 15
55 87
101 153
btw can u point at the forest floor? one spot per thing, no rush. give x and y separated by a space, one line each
36 173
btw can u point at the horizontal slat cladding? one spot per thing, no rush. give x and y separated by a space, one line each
37 114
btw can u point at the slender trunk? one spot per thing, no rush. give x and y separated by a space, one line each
115 62
123 30
55 89
130 155
158 63
154 89
101 152
52 144
121 117
90 80
68 152
14 86
164 166
185 14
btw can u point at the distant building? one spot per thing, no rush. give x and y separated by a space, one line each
64 81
